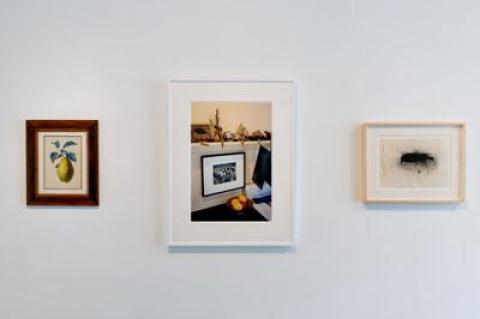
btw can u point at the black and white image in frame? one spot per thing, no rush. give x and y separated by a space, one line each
222 173
420 162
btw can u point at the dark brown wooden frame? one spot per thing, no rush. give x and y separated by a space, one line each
33 127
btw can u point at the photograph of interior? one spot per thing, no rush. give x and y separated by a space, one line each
231 161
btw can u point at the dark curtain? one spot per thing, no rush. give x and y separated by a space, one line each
263 168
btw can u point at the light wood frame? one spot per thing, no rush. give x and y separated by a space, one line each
462 162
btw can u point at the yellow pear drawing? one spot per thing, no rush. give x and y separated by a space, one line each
65 170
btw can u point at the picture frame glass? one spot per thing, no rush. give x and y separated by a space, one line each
234 185
414 162
223 173
62 162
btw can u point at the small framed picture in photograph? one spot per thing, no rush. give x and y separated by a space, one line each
414 162
222 173
231 163
201 133
62 162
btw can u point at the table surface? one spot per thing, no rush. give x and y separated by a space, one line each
222 213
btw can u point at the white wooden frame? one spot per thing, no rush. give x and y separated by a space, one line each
367 198
280 231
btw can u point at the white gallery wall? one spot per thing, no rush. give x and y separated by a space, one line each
352 61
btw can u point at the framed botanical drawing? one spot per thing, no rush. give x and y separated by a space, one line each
62 162
414 162
235 186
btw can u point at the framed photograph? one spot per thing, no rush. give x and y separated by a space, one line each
222 173
236 188
414 162
62 162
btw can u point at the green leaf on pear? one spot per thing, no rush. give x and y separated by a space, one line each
69 143
71 156
54 156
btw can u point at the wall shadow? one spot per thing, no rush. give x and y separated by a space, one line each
405 207
231 250
158 110
62 209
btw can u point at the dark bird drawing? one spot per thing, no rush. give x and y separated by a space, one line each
417 158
